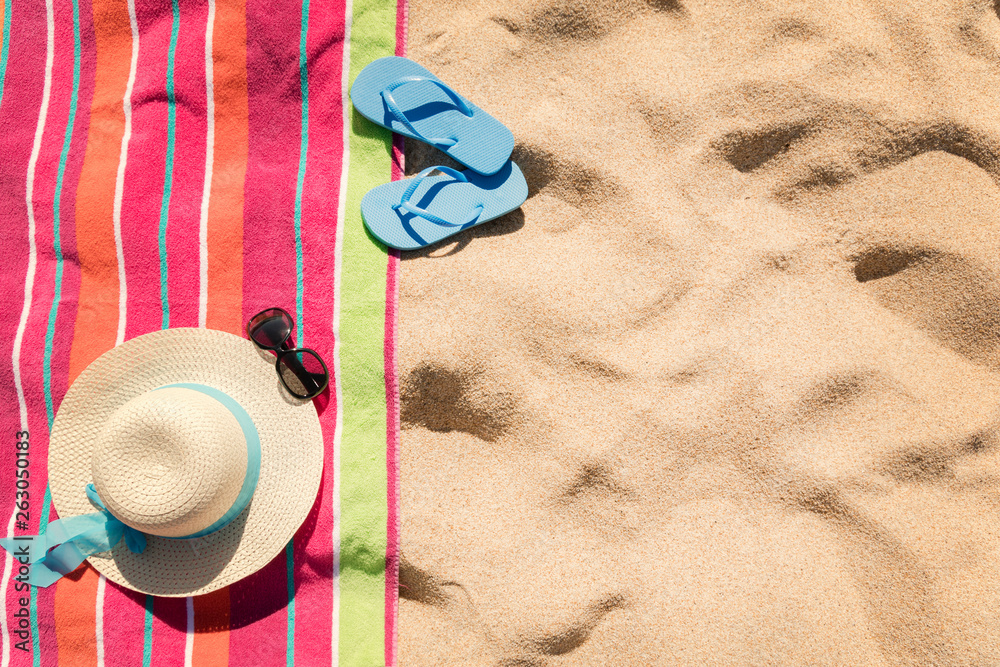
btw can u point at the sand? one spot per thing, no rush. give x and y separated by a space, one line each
726 389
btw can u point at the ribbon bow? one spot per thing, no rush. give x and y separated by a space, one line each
68 542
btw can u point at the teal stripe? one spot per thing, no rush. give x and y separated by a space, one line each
36 647
168 177
290 567
6 43
168 181
50 331
147 637
57 220
299 183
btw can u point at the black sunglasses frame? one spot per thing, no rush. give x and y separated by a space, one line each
282 351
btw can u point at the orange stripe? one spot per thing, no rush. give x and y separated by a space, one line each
97 315
76 617
211 627
225 211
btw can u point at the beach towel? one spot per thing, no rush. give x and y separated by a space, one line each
183 164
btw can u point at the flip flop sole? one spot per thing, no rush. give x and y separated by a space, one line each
482 143
444 197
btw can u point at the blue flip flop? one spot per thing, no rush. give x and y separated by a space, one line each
418 211
399 94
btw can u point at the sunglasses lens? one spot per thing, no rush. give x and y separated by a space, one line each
303 373
270 328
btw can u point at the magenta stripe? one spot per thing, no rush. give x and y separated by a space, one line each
272 163
268 273
392 395
189 165
324 162
392 453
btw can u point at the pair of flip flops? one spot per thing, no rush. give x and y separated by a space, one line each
404 97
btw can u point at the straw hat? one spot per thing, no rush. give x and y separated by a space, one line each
173 461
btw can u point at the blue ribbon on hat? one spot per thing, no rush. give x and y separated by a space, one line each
68 542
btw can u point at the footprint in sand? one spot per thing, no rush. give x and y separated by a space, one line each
726 390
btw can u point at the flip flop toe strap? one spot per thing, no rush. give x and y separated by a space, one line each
397 113
404 202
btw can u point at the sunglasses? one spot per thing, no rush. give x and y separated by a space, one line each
301 370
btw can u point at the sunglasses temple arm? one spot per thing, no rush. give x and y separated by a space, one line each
304 376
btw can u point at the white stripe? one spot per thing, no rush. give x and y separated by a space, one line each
7 563
29 281
338 263
189 637
99 620
206 191
120 179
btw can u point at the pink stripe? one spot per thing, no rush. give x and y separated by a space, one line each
144 173
124 627
313 557
19 116
259 618
392 395
169 630
272 163
402 24
189 165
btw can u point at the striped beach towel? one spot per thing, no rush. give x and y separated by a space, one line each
179 163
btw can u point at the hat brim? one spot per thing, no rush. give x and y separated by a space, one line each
291 456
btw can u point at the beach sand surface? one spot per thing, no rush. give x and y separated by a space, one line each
726 389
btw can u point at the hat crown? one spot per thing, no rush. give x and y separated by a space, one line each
170 462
